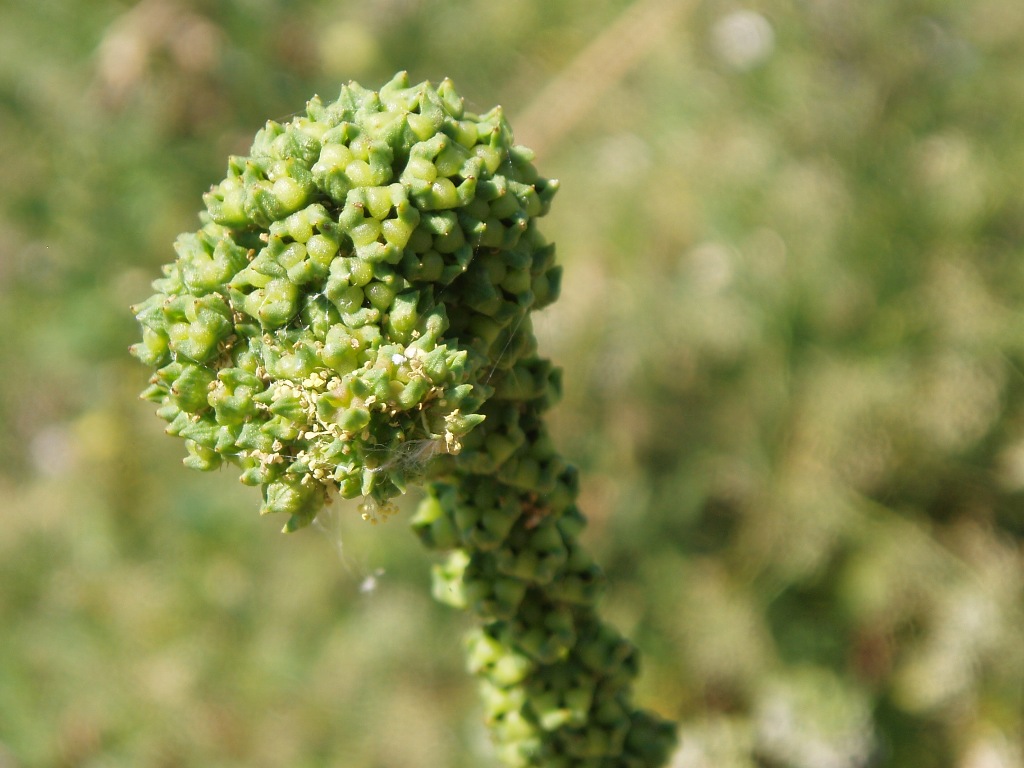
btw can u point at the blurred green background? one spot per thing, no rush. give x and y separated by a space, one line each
793 337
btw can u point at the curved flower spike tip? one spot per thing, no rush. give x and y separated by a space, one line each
353 316
356 280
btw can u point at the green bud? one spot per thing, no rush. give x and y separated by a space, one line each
440 194
365 231
322 249
403 315
379 295
291 194
207 261
282 428
517 281
289 406
520 472
491 157
447 580
275 305
378 381
537 556
197 325
433 525
154 350
493 596
347 298
201 430
397 232
294 365
492 526
413 393
428 268
520 383
341 350
292 497
378 200
353 419
226 203
578 586
252 437
451 241
500 666
360 272
459 424
232 405
200 457
420 241
191 388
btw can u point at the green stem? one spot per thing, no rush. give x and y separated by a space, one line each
556 680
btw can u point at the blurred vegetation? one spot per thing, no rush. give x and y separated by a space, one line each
794 346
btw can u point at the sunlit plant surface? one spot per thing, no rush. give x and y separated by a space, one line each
793 387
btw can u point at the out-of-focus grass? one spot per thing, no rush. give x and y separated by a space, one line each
794 353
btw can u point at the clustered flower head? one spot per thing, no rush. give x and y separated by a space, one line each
353 315
354 285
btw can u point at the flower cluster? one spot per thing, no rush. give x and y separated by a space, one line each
303 332
353 315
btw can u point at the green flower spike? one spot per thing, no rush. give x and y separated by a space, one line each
352 317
